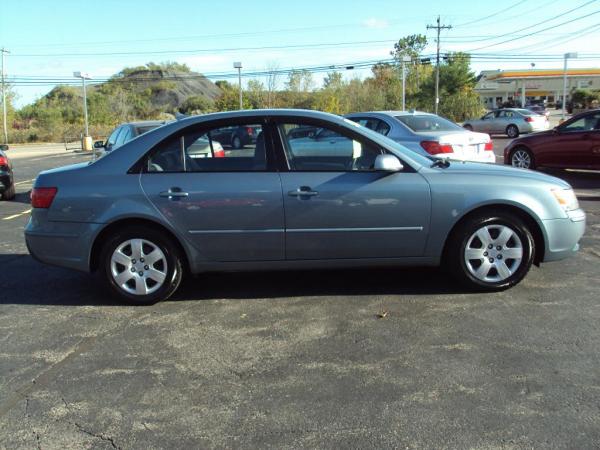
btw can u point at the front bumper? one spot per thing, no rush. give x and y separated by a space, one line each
64 244
563 235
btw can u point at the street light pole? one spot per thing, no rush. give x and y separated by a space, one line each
564 99
3 51
84 76
238 65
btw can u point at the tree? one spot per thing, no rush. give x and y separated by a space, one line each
197 104
272 84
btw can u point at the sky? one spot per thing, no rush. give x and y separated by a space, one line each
52 39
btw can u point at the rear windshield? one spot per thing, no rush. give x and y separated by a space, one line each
427 123
527 112
145 129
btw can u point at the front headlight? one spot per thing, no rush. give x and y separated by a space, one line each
566 198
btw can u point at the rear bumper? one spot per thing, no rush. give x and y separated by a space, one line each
563 235
64 244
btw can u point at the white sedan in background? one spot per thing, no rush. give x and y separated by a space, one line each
429 134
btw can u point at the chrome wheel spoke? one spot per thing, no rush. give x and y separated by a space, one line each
153 257
156 275
504 236
136 249
122 278
473 254
121 258
513 253
503 271
483 270
140 286
484 236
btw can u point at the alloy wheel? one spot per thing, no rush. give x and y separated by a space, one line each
521 159
493 253
138 266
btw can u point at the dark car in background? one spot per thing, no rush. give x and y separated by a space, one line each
7 182
126 132
236 137
575 144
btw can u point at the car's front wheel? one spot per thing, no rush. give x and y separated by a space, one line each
491 251
141 265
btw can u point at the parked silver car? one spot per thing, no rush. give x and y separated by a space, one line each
429 134
509 121
147 212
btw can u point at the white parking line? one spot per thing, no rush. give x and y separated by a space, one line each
14 216
25 181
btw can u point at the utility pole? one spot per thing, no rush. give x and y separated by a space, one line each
564 100
3 51
439 28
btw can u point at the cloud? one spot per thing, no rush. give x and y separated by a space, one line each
373 22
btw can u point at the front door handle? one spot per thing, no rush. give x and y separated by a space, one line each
174 193
303 191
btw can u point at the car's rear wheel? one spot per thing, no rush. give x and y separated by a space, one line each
468 127
512 131
522 158
236 142
141 265
492 251
10 193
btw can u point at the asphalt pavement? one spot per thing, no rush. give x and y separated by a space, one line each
394 358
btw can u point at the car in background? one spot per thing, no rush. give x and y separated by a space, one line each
508 121
574 144
293 203
125 133
237 137
428 134
7 182
538 109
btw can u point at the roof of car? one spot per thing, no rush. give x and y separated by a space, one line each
394 113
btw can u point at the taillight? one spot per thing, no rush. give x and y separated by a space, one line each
220 153
3 161
489 146
250 131
43 197
528 119
434 147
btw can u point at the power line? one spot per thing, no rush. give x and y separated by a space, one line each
539 23
497 13
205 50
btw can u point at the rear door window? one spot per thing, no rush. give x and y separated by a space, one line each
209 151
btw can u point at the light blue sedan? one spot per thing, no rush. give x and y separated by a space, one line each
314 191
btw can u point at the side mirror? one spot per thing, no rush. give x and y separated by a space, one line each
3 147
98 144
388 163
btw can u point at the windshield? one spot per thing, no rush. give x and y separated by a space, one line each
427 122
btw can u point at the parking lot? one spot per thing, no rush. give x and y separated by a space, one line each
387 358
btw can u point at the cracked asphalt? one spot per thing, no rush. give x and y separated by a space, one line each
298 359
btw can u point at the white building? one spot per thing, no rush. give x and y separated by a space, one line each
521 86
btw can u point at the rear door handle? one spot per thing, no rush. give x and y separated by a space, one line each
303 191
174 193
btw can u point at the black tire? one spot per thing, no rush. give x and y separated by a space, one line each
455 255
519 154
172 258
468 127
236 143
10 193
512 131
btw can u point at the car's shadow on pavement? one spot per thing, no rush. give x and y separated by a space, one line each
22 197
24 281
